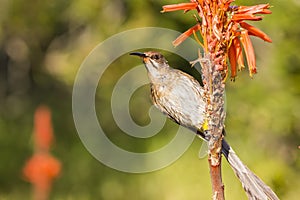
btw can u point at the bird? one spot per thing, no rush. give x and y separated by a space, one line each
180 97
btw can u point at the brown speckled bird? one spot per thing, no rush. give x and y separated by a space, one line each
180 96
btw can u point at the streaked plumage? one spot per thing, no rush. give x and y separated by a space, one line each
180 97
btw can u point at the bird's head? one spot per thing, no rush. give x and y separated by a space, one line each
152 59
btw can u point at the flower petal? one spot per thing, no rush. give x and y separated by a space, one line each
186 34
232 59
249 51
257 9
243 16
255 32
239 54
180 6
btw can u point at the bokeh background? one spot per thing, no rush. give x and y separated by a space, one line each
42 45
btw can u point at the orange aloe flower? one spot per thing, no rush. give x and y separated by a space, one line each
249 51
186 34
43 133
224 31
255 31
181 6
42 167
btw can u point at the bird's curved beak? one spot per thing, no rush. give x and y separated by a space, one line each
140 54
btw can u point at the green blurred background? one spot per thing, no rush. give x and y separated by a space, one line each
43 43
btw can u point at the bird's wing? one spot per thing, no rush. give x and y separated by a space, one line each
181 99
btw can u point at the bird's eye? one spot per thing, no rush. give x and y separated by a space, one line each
155 57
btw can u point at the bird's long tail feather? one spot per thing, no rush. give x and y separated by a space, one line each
255 188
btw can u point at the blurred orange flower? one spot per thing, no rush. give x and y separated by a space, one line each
43 133
42 167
